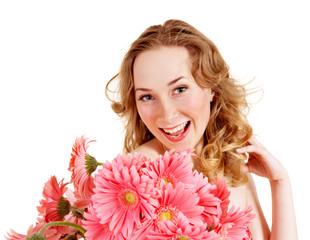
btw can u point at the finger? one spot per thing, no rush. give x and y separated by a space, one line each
247 149
253 140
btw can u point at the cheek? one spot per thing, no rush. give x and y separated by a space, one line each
146 114
196 105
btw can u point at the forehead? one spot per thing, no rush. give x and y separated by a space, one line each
161 64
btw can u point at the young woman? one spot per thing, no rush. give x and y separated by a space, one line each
175 92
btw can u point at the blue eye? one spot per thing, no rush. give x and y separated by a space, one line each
146 98
179 90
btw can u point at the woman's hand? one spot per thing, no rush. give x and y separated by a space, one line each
261 162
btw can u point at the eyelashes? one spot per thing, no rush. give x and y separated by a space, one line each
176 91
179 90
145 98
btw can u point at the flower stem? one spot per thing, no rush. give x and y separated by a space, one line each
70 224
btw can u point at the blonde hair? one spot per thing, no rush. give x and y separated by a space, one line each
227 128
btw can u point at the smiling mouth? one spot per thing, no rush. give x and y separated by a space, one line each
177 131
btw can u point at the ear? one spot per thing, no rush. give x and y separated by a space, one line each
212 95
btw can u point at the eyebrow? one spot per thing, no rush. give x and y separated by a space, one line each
169 84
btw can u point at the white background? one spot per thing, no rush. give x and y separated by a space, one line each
57 56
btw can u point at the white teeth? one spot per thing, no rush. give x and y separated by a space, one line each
176 129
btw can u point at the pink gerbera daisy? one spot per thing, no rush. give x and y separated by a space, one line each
234 226
141 232
139 161
77 208
123 197
175 200
55 206
172 168
82 165
136 159
94 229
221 191
12 235
208 199
182 230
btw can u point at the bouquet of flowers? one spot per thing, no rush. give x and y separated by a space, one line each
134 198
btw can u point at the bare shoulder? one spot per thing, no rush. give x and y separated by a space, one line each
259 227
245 196
238 196
251 193
151 149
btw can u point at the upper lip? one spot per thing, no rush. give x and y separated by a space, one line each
175 128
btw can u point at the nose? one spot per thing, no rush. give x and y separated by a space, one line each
167 112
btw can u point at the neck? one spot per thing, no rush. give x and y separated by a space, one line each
198 148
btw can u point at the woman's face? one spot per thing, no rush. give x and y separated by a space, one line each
171 104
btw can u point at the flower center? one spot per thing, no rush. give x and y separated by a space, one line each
166 215
168 178
129 198
182 238
167 212
224 231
